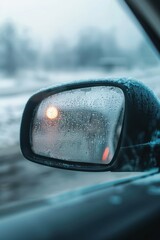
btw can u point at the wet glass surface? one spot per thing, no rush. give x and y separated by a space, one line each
81 125
43 43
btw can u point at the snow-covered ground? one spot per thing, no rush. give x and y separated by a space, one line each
23 179
15 93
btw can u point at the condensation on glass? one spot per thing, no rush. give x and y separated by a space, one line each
81 125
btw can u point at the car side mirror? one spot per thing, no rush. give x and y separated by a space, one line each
94 126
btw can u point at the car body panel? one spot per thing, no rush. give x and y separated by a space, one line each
119 211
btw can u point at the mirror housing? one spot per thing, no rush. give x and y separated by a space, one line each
138 145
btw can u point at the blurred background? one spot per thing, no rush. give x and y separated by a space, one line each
43 43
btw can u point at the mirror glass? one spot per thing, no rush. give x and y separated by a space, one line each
81 125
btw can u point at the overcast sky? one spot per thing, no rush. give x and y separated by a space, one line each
49 19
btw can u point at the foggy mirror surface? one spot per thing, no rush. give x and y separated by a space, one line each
81 125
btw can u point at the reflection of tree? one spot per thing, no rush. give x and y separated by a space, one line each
60 55
15 49
95 48
91 47
8 42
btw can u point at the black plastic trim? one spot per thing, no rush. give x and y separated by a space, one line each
134 92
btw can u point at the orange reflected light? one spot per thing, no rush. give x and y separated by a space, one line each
105 154
52 112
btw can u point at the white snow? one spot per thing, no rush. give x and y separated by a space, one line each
24 180
14 94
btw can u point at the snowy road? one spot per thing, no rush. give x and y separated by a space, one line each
21 180
11 106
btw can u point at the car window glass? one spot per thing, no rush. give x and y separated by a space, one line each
43 43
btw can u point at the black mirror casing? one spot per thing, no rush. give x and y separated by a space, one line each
139 144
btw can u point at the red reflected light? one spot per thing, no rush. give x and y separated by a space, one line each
105 154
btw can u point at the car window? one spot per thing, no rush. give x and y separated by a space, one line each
43 43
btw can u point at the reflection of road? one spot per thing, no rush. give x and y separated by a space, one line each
78 135
22 180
